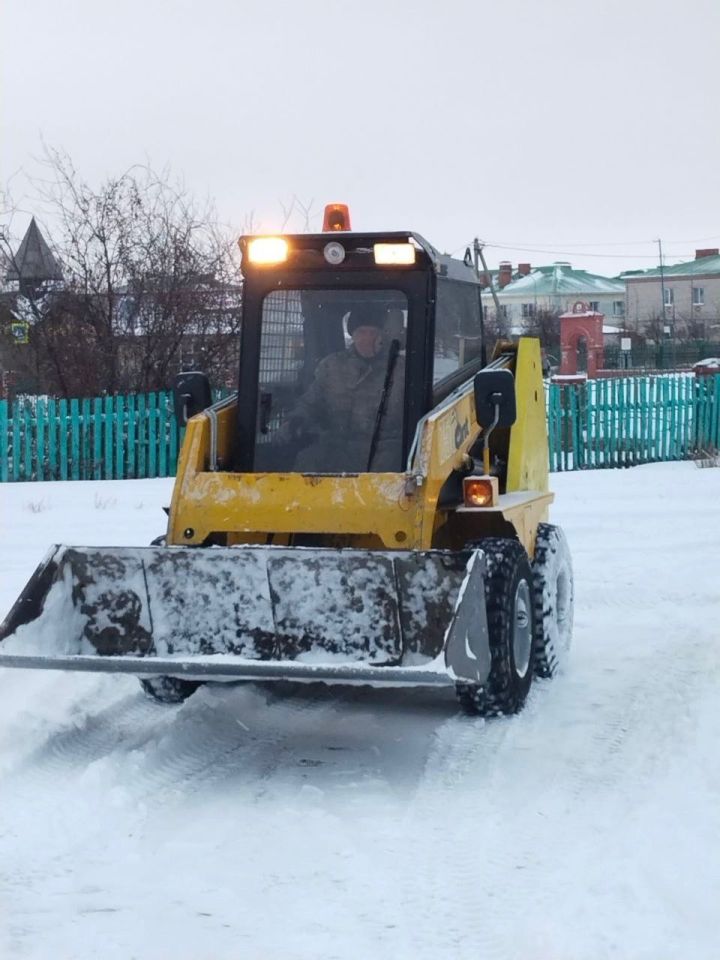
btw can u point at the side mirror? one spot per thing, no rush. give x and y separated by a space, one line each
495 397
191 395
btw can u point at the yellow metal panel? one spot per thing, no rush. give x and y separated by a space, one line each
528 467
523 511
370 503
447 436
383 505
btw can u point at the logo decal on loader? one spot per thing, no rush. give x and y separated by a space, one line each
453 434
462 432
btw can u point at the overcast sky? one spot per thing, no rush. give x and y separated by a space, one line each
581 127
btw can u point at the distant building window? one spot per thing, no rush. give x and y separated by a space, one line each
618 308
594 306
528 311
698 296
669 297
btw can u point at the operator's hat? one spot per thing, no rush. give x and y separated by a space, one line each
366 315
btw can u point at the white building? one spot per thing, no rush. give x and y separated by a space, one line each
557 288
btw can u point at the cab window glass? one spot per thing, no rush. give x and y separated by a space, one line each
331 381
458 333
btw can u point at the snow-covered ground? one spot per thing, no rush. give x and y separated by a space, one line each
321 823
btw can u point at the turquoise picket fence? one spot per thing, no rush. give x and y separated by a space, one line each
627 421
600 423
97 438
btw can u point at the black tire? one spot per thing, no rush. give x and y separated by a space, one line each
511 631
554 600
169 689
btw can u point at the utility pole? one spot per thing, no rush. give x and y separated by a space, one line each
478 255
668 328
662 284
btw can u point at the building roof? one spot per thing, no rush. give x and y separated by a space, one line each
34 260
560 279
701 266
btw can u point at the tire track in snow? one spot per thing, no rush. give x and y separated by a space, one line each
75 792
451 921
148 755
616 741
150 749
131 789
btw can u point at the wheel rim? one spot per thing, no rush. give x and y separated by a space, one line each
522 629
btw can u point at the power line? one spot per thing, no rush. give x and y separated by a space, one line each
563 249
584 253
600 243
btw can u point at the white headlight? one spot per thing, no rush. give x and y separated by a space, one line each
392 254
268 250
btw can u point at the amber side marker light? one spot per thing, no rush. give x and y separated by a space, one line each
480 491
268 250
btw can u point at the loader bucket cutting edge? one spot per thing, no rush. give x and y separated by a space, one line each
254 612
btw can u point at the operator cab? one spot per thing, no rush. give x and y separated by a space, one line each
317 395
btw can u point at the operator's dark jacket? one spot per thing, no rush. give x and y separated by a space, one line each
339 411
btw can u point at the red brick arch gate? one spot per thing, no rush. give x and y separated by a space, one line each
581 324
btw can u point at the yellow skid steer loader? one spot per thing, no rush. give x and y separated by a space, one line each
370 507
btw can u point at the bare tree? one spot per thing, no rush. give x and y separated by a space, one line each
301 212
654 328
545 325
693 328
150 282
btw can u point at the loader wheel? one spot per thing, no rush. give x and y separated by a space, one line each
554 600
169 689
511 631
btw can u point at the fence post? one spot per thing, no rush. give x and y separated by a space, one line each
550 407
75 440
62 438
671 421
174 443
40 424
652 419
643 419
578 440
85 469
590 432
16 441
97 438
120 438
4 441
568 428
152 435
162 434
131 453
108 418
703 432
665 417
28 422
52 438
